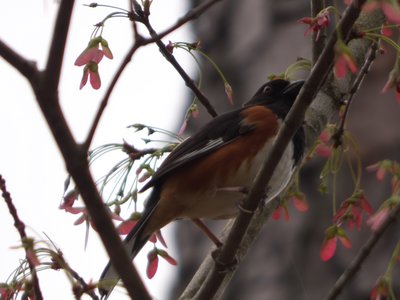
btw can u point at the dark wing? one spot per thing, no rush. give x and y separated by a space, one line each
220 131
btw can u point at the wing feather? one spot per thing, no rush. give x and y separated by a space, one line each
220 131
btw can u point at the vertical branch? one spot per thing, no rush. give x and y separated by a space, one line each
317 44
20 226
57 48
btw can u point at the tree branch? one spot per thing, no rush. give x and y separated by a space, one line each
209 282
57 48
20 226
26 68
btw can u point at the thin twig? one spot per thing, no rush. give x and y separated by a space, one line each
337 136
191 15
362 255
292 122
20 226
171 59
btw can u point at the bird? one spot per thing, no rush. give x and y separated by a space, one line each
204 177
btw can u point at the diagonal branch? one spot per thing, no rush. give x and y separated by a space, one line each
25 67
213 281
171 59
20 226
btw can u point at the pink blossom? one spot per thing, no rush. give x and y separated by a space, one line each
91 71
167 257
323 150
152 263
93 53
381 289
229 92
377 219
300 202
343 62
332 235
328 248
281 209
317 24
351 211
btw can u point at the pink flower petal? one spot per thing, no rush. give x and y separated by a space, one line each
340 67
161 238
323 150
325 136
345 241
391 11
167 257
152 264
301 204
377 219
328 248
95 81
126 226
84 77
88 55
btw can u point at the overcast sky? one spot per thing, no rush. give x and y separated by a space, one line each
150 92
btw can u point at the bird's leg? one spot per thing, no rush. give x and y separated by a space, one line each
207 232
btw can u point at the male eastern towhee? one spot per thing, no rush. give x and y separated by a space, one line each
205 176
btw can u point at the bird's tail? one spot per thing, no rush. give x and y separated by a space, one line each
133 243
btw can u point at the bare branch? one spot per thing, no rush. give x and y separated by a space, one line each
191 15
20 226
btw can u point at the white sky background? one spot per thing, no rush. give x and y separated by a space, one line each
150 92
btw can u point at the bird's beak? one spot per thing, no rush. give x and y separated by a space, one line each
293 88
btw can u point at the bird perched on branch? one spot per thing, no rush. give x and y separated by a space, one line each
205 176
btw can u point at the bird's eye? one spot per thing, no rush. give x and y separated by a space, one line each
267 89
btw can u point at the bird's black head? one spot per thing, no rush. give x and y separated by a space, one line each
278 95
